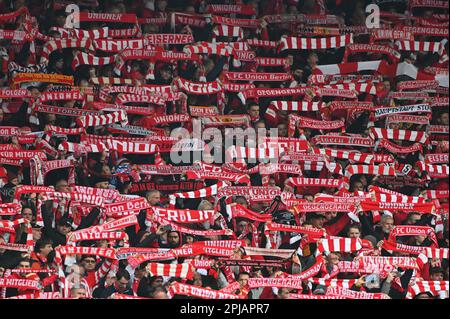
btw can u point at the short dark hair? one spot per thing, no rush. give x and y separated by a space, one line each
27 206
244 273
354 226
436 270
41 243
83 257
24 259
122 273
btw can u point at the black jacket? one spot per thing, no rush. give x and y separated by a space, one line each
54 234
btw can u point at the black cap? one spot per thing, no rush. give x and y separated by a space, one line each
65 221
34 225
99 179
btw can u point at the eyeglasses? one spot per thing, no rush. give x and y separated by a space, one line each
89 261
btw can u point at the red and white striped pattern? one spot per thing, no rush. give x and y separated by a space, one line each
393 134
351 155
338 244
82 34
289 43
183 270
351 67
200 193
208 48
240 45
358 87
292 106
228 31
96 120
434 170
87 58
91 34
344 283
441 253
111 81
434 287
390 198
297 106
436 194
334 168
369 170
59 44
423 46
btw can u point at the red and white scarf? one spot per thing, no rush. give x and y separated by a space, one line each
372 48
59 44
397 149
344 283
257 76
183 270
96 120
424 208
354 156
95 251
24 284
83 58
394 134
228 31
415 119
288 43
199 87
433 287
292 106
352 67
434 171
201 193
424 46
198 292
183 215
333 139
308 207
416 108
220 9
340 244
410 230
352 294
316 182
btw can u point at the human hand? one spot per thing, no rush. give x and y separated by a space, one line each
390 277
361 281
160 231
380 244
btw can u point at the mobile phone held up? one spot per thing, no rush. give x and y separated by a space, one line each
372 281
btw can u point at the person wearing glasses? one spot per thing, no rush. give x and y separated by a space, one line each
93 272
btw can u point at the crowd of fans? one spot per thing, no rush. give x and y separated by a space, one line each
72 159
